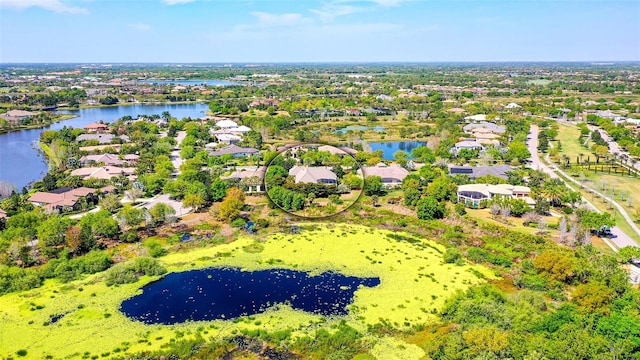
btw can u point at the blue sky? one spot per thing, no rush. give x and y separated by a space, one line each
317 31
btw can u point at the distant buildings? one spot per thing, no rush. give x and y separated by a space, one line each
16 117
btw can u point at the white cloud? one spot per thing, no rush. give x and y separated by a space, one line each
291 19
140 26
174 2
330 11
268 20
388 3
53 5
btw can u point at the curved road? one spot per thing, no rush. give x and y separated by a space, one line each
621 239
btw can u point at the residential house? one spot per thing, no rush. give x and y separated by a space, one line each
3 214
105 172
484 127
109 159
227 124
250 179
457 110
235 151
15 117
466 144
63 199
474 172
316 175
240 129
102 138
477 117
97 128
392 175
228 138
473 195
512 106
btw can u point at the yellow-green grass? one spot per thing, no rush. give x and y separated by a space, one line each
604 206
622 185
568 135
414 281
515 224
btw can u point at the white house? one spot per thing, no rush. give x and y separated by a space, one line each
227 124
512 106
473 194
466 144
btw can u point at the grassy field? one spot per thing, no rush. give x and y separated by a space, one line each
568 135
414 283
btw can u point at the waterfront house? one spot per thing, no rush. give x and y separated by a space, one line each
96 128
102 138
16 117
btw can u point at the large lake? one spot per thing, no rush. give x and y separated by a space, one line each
21 163
227 293
389 148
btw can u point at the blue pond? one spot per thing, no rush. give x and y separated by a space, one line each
359 128
389 148
227 293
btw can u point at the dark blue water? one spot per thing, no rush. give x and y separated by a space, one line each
21 163
389 148
227 293
359 128
189 82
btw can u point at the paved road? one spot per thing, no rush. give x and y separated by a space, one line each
621 239
165 198
614 147
176 160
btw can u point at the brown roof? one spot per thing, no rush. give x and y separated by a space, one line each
96 126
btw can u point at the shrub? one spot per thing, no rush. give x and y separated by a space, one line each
129 272
452 255
154 248
460 209
238 223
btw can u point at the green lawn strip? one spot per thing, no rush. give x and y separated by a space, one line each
415 283
604 206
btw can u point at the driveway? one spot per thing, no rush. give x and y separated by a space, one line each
176 160
165 198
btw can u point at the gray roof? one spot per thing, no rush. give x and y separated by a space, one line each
479 171
102 138
233 150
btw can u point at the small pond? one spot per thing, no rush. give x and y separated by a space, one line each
389 148
227 293
359 128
